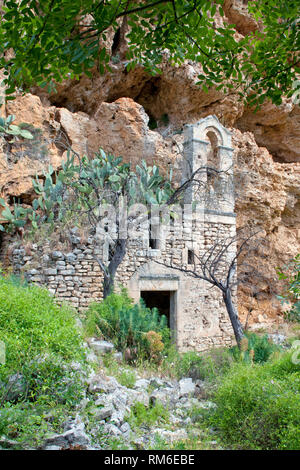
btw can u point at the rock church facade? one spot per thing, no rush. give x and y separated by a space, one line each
195 310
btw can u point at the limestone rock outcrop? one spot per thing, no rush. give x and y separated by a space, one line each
275 127
140 116
268 199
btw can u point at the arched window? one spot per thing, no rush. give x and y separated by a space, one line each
213 151
213 166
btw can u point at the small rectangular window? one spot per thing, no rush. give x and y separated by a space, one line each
154 243
191 257
153 235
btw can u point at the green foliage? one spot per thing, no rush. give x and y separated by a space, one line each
23 140
291 275
28 423
260 64
11 131
278 46
134 323
124 373
41 341
209 366
203 366
258 405
191 364
15 218
102 318
254 348
190 443
89 187
142 415
116 319
127 378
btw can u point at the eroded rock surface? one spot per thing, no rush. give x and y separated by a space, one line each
138 116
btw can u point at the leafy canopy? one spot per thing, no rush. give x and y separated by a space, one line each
46 42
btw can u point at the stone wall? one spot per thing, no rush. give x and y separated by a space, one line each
73 276
199 318
195 310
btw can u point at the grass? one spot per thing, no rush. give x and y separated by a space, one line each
41 342
142 415
256 392
28 423
258 405
124 373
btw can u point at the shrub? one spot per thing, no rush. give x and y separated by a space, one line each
190 364
203 366
41 341
156 345
127 378
254 348
128 326
258 405
102 318
134 325
141 415
291 275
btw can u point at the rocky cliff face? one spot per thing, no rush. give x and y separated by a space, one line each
139 116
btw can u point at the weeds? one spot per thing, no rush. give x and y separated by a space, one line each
142 415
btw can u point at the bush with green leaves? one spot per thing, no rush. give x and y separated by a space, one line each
28 423
291 275
102 318
41 342
258 405
263 64
254 348
142 415
11 131
85 190
117 319
212 364
199 366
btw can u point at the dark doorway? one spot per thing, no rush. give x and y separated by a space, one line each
164 301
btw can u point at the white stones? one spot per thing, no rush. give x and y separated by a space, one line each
67 272
60 263
103 413
70 257
33 272
75 240
112 430
171 436
101 346
118 356
57 255
125 429
100 384
277 338
50 272
73 437
207 405
186 387
142 384
166 396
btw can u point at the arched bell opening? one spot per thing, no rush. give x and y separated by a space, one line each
212 166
